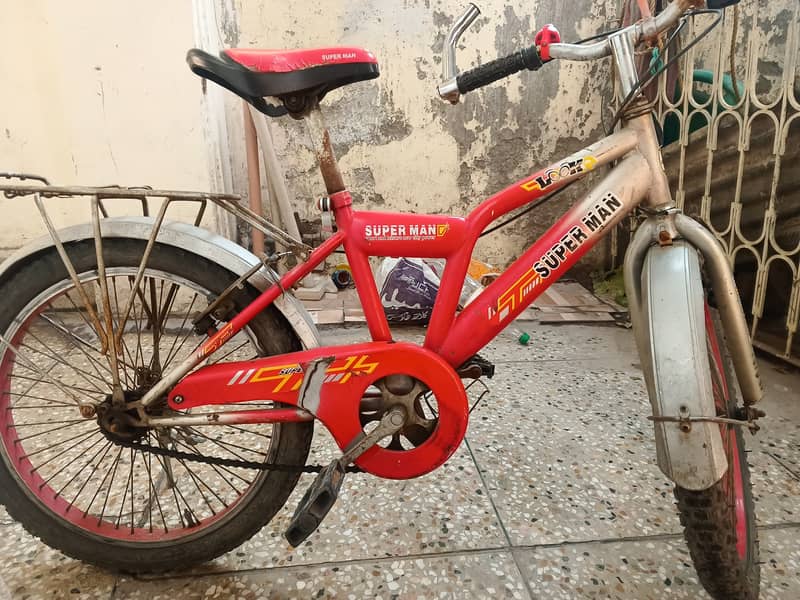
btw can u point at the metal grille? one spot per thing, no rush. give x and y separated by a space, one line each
732 148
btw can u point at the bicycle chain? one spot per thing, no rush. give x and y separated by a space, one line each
227 462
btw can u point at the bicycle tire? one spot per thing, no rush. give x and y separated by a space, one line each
289 444
722 535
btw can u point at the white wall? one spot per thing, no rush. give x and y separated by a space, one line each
97 93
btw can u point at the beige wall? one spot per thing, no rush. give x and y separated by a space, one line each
97 93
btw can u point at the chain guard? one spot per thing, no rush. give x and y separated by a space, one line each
330 383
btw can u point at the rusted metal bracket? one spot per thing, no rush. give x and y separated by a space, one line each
685 421
265 263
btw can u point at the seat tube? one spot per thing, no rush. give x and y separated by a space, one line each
328 165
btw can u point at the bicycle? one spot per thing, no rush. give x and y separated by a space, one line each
81 299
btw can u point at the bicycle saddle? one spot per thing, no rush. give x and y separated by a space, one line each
294 76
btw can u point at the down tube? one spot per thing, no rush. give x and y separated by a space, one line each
572 236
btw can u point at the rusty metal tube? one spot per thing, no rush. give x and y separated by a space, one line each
253 177
274 175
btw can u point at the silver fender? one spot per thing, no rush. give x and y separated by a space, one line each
216 248
668 316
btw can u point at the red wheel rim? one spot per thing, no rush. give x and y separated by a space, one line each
733 485
54 497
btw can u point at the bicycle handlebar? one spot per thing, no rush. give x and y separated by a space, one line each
648 28
534 57
527 58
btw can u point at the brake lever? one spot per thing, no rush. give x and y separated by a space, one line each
448 90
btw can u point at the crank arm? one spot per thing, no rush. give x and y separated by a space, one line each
390 423
320 497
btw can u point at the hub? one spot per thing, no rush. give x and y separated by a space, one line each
417 401
119 424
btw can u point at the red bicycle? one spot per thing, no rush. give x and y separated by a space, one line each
128 340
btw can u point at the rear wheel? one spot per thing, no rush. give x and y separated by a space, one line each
65 478
719 522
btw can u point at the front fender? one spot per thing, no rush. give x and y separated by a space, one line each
214 247
667 305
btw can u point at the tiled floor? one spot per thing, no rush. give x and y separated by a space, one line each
555 494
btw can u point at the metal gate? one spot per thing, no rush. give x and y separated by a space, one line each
732 150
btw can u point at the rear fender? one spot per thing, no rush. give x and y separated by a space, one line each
199 241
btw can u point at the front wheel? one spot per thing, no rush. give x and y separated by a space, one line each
66 478
719 522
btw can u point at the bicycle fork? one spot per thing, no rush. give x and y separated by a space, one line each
661 266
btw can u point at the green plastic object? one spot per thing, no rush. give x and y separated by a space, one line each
524 338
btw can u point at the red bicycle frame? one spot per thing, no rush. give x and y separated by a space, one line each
451 338
457 337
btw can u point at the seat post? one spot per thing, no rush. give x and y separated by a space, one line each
323 149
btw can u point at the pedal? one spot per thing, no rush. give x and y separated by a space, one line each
323 492
476 367
316 503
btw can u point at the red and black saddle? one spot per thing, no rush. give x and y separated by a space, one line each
294 76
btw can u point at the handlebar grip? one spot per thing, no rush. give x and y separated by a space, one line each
527 58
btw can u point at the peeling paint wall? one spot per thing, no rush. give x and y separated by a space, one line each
400 146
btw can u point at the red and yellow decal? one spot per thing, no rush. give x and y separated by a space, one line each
515 295
216 342
289 377
555 174
405 232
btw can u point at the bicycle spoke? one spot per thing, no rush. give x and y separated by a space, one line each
154 325
133 462
174 491
100 487
83 391
193 448
28 455
18 425
69 463
130 379
33 435
89 477
49 401
83 318
170 356
224 356
128 483
150 489
225 445
103 449
30 365
182 344
194 479
137 321
249 432
81 344
62 361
